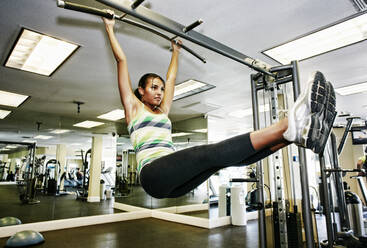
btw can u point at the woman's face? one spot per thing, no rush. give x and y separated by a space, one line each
153 92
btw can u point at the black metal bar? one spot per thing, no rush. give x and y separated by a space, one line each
343 211
103 13
243 180
175 28
281 68
84 9
192 26
306 206
259 168
345 135
325 203
142 26
136 4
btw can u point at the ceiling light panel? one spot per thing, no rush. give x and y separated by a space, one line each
11 146
11 99
113 115
190 87
38 53
336 36
88 124
352 89
180 134
60 131
43 137
4 113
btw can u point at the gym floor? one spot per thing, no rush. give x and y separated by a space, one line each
147 232
50 207
150 233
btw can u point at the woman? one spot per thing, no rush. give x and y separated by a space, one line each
166 173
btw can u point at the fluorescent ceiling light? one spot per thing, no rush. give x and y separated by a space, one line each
28 141
203 130
38 53
352 89
240 113
11 99
113 115
11 146
333 37
44 137
180 134
189 88
88 124
60 131
4 149
4 113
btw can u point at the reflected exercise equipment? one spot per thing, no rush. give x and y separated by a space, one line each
82 191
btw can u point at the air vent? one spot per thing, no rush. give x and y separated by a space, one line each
360 5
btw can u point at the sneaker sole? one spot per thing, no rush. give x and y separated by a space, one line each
328 119
317 101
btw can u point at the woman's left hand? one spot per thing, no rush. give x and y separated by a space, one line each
176 45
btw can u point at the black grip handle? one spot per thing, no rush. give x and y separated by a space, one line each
192 26
136 4
243 180
85 9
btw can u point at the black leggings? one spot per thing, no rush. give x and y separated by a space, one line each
178 173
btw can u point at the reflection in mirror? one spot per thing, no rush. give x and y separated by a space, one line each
128 190
41 183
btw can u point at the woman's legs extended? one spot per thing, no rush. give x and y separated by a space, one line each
178 173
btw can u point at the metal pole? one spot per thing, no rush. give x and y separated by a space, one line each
259 169
343 211
306 208
277 161
325 202
345 134
175 28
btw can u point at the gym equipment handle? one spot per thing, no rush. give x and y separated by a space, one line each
136 4
85 9
192 26
243 180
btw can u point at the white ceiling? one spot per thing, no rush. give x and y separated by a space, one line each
90 74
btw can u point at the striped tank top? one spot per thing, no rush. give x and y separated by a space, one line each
150 135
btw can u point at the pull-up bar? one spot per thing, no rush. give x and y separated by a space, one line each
103 13
175 28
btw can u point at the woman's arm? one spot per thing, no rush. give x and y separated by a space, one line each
128 99
171 78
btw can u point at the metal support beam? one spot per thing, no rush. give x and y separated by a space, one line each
343 211
259 168
306 203
325 203
175 28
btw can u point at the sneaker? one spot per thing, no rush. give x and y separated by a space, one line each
306 115
322 134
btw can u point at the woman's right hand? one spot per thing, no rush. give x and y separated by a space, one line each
109 22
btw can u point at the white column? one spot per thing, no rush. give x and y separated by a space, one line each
61 157
95 170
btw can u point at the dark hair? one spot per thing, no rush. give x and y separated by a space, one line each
143 82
